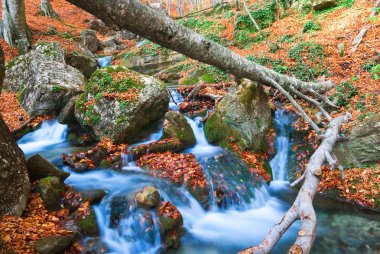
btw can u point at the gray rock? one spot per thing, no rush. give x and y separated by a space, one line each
148 197
50 86
243 114
117 118
87 224
82 60
53 244
90 41
51 190
324 4
363 146
99 26
14 180
19 69
39 167
67 115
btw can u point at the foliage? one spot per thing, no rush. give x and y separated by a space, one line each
243 38
264 17
209 29
277 65
311 26
309 60
344 92
286 38
375 72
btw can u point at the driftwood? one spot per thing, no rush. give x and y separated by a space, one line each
302 207
359 38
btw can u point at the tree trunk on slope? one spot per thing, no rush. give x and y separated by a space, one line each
141 20
15 29
14 179
47 9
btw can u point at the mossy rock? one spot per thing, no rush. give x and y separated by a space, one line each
243 116
118 103
88 225
176 126
149 197
51 190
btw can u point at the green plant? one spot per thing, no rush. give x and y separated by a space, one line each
344 92
286 38
56 88
311 26
375 71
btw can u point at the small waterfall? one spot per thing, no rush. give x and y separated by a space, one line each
279 163
50 133
202 148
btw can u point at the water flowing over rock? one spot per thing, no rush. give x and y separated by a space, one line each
119 102
243 114
363 146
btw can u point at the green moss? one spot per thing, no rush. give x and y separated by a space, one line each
122 119
247 94
105 164
217 131
268 169
88 224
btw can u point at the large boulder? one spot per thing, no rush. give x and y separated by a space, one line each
118 103
14 180
67 114
243 115
18 70
363 146
45 82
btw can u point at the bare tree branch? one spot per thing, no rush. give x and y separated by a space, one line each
302 207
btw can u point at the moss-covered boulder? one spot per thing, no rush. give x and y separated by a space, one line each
363 146
176 126
243 115
118 103
149 197
171 225
51 190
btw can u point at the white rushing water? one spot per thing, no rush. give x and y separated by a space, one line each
279 163
217 230
49 134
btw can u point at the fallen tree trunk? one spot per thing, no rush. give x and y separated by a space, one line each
148 23
302 207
